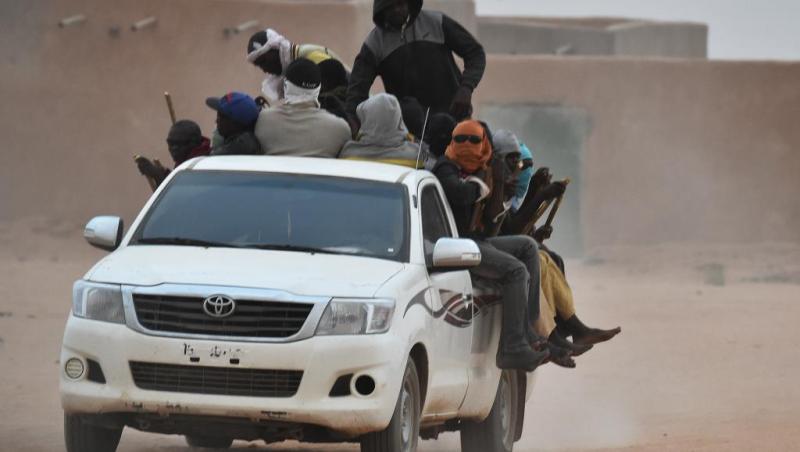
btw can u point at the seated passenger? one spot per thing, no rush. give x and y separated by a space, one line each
413 116
383 136
333 89
558 294
185 142
506 169
272 53
298 126
236 118
511 260
438 134
525 175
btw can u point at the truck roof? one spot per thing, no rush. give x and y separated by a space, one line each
381 172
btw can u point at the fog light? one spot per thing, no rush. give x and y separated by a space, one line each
365 385
74 368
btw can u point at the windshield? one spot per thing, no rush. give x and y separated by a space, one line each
279 211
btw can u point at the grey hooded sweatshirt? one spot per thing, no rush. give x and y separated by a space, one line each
505 142
383 136
301 130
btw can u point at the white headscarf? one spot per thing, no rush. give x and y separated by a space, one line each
272 86
296 95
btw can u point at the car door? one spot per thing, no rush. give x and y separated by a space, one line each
450 295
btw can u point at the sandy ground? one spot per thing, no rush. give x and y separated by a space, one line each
706 361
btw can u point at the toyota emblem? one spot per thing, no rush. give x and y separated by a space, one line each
219 306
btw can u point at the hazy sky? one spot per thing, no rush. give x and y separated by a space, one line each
739 29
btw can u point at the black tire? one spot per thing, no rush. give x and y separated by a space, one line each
209 442
81 436
402 434
497 432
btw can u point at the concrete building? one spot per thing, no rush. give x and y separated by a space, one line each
593 36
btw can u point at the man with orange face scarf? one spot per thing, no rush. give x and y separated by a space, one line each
466 176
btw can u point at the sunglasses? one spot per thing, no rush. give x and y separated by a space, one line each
474 139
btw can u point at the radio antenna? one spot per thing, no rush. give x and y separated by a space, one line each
424 126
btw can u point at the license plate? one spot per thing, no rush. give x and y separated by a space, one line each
212 352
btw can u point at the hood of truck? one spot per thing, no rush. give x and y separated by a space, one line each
295 272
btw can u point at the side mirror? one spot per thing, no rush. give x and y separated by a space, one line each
104 232
455 254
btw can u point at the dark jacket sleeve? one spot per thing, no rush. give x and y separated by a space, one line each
463 44
458 192
365 69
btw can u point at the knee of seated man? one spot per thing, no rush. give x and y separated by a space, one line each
515 270
530 242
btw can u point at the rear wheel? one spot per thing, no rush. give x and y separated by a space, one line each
496 433
209 442
402 433
82 436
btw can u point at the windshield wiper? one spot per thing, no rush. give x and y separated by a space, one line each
182 242
298 248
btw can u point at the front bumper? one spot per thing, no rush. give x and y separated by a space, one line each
323 359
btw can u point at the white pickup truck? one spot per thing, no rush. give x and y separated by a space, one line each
274 298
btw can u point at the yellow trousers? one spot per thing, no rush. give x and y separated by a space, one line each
555 296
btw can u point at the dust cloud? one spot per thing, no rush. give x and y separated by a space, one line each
688 199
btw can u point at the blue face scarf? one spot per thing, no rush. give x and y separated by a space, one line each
525 175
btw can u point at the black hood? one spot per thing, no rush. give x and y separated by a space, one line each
379 6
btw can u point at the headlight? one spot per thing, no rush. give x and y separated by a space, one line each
98 302
356 316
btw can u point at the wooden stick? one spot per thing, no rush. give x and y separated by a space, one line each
553 211
170 107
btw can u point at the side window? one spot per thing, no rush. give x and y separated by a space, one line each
434 220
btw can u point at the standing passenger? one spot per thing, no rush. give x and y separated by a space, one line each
411 49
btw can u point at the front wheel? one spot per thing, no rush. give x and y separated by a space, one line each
82 436
402 433
496 433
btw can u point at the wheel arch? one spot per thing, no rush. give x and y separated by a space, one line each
419 355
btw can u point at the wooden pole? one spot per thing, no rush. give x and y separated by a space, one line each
171 109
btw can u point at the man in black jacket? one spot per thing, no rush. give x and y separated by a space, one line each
512 261
411 49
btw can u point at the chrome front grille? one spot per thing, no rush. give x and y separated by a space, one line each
215 380
251 318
